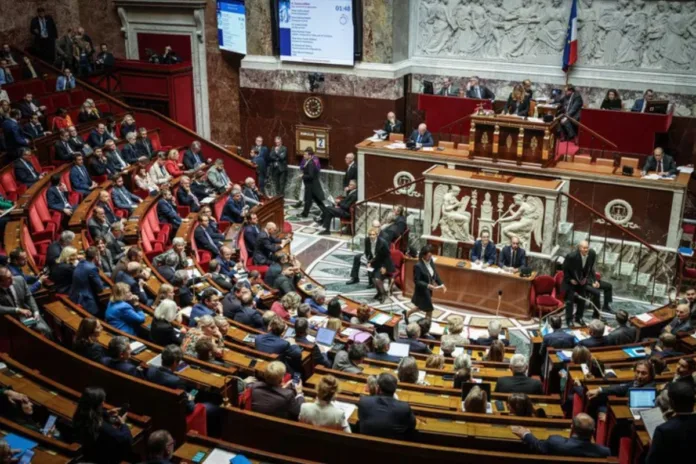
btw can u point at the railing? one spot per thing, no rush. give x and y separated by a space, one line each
635 268
378 206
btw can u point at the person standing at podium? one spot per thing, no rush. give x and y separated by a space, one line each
393 125
448 89
662 164
425 280
517 102
484 249
421 137
513 256
474 89
640 104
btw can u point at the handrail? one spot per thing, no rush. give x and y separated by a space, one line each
393 189
115 101
460 120
603 139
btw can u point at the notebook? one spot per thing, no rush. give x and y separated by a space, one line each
640 399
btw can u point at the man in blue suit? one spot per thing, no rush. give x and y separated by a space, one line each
14 138
98 137
512 255
673 440
251 233
209 305
193 158
234 208
24 171
79 177
131 277
86 284
66 81
204 241
122 198
484 249
640 104
166 210
578 445
272 342
119 357
421 137
57 196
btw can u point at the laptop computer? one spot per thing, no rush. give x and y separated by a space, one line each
325 339
640 399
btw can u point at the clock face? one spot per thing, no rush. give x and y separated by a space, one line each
313 107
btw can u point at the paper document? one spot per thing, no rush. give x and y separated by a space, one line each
219 456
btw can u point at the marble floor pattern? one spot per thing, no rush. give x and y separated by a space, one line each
328 259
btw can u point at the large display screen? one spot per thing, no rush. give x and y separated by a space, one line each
231 20
316 31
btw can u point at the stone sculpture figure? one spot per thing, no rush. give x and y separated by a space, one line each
525 222
450 213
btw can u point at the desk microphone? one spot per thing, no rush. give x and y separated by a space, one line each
500 300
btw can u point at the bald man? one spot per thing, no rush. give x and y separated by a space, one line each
578 445
579 278
421 137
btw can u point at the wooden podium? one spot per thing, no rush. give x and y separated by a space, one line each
512 139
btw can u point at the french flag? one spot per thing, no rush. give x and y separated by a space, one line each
570 53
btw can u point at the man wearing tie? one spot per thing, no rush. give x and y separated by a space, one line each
122 198
662 164
24 170
484 249
186 197
571 106
113 156
79 177
448 90
63 150
204 241
513 256
640 104
421 137
474 89
57 197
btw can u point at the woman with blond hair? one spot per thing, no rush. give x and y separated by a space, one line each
287 306
162 330
61 273
322 412
120 313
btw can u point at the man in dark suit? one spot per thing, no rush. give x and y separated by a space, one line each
351 171
484 249
519 382
29 106
623 334
275 398
118 358
673 441
80 179
384 416
278 160
311 181
234 209
643 377
571 106
579 277
57 196
596 338
421 137
660 163
193 158
24 170
393 125
341 210
474 89
640 104
166 210
33 129
203 239
98 137
558 338
62 148
272 342
45 33
413 332
251 232
578 445
448 89
144 144
16 300
15 140
267 244
513 256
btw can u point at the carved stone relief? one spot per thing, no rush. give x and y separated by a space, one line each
620 34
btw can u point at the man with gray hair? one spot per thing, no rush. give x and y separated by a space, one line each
596 338
519 382
381 345
578 445
494 330
413 332
55 248
342 208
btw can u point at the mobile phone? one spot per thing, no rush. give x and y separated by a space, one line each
26 456
198 457
49 424
499 405
125 407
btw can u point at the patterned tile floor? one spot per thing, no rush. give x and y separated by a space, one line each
328 259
